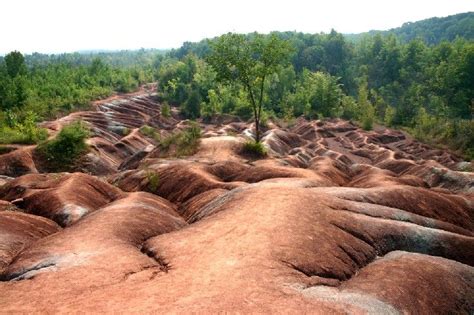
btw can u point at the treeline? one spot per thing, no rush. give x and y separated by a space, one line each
122 58
432 31
427 89
37 88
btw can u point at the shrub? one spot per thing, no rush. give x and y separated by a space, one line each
368 121
213 107
389 115
254 149
367 116
153 181
184 142
26 132
192 106
348 108
165 110
150 132
62 152
16 135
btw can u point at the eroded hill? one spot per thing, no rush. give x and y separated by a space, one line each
334 220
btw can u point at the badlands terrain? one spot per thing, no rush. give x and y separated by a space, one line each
334 220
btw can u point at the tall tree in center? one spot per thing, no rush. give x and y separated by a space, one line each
249 60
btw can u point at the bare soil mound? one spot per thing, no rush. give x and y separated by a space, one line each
334 220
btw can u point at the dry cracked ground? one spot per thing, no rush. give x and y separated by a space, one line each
334 220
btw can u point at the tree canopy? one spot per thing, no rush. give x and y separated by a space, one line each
249 61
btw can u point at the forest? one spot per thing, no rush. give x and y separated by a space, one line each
423 84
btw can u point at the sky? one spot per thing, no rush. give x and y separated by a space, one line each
55 26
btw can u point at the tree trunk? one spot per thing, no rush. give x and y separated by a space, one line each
256 113
257 129
259 112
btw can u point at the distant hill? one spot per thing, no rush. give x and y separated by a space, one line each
432 30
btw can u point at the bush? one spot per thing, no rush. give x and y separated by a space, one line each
165 110
184 142
26 132
456 134
62 152
150 132
153 181
213 107
18 136
368 121
192 107
389 116
254 149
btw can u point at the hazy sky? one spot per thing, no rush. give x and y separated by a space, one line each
64 26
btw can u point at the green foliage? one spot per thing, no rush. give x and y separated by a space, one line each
399 77
432 30
317 94
249 61
30 130
21 132
183 143
192 106
213 107
15 136
348 109
425 123
366 109
457 135
62 152
54 85
419 66
254 149
389 115
15 63
150 132
165 110
153 181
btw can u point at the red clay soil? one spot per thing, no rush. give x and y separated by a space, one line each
334 220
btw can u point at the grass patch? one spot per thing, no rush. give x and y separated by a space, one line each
22 135
182 143
62 152
153 181
254 149
150 132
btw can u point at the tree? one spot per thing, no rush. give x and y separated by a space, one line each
192 107
325 93
249 60
15 63
367 111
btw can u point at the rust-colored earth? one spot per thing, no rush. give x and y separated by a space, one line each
334 220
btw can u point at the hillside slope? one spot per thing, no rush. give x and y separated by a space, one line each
432 31
334 220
